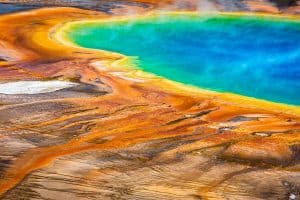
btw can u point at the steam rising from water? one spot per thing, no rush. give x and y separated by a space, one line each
206 6
196 5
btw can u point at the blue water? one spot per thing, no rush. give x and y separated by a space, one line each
252 56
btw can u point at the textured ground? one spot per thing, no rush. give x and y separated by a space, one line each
114 137
287 6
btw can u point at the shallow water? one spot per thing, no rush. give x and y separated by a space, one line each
248 55
8 8
34 87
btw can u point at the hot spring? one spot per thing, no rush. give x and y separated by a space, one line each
250 55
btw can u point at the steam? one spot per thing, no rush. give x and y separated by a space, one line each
202 6
206 6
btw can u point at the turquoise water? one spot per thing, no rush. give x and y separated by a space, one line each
248 55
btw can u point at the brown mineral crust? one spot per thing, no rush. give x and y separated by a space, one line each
263 150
